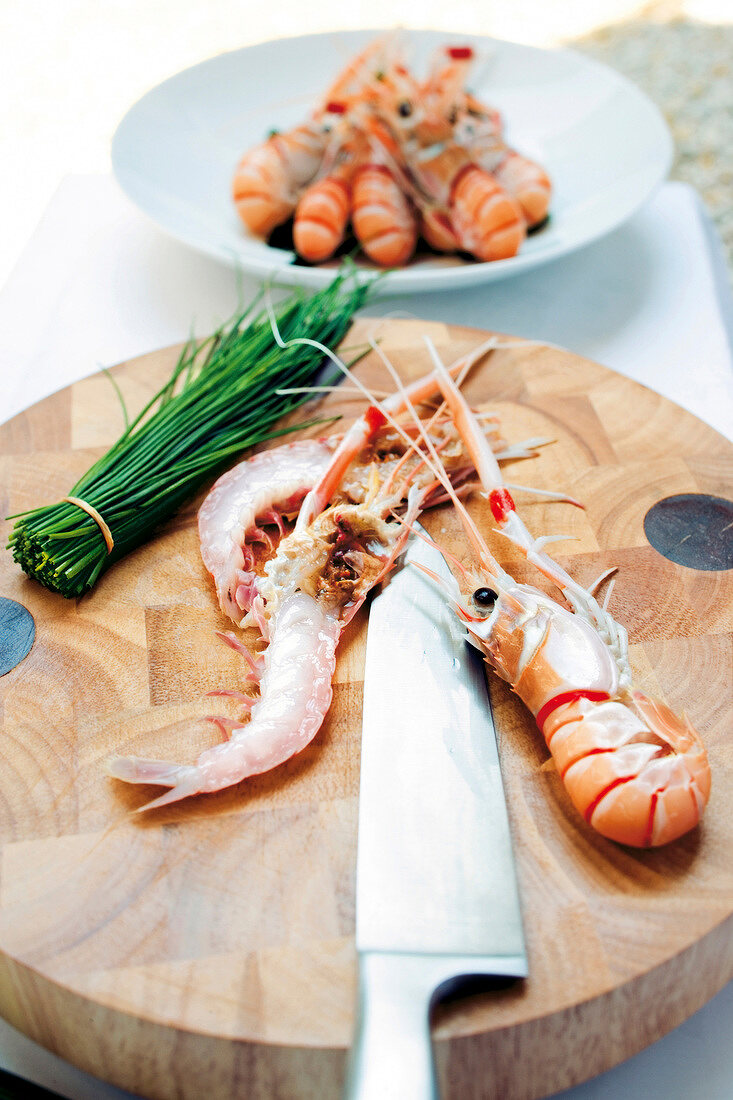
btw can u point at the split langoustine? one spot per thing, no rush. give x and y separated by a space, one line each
346 539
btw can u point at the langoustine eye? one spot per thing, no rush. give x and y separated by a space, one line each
485 597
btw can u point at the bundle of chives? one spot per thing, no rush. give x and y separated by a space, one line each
220 399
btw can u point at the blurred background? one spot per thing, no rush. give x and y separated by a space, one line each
72 68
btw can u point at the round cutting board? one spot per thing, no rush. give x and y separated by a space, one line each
208 949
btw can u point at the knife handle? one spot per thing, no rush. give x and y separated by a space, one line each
392 1054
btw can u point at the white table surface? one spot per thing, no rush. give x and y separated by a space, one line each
99 283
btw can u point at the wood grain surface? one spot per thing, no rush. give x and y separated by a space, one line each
208 949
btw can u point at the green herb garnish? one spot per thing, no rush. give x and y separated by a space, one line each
220 399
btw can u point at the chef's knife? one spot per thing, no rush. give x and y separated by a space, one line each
436 890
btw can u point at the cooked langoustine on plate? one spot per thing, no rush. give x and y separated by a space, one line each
393 157
451 191
360 184
479 130
637 772
346 494
271 177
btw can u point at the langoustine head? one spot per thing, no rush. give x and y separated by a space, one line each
539 647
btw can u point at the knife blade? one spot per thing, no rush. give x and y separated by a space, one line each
436 888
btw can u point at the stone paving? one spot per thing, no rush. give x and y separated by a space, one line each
686 68
71 70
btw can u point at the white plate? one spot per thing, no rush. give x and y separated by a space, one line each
603 143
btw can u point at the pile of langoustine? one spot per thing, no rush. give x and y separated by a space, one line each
635 771
396 158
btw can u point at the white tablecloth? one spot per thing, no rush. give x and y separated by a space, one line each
98 283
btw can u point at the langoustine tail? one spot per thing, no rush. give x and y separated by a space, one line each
528 183
295 694
437 229
320 218
382 218
637 772
181 778
488 221
270 176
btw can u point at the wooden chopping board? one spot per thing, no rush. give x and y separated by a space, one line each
208 949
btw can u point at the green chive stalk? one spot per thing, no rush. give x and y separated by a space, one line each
220 399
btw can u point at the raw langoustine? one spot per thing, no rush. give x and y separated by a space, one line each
345 541
637 773
395 157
